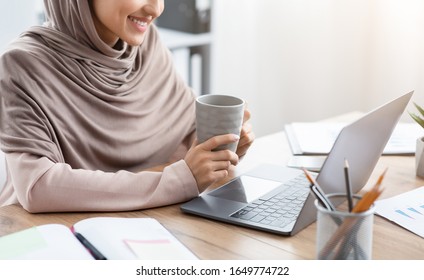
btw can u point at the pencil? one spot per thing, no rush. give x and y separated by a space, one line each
348 186
363 205
369 198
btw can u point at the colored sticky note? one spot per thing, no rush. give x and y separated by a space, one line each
17 244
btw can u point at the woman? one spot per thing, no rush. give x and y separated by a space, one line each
95 118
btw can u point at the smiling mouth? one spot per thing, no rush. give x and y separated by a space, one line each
139 22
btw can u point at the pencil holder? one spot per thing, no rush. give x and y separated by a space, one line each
343 235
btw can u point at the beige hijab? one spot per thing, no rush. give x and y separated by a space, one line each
67 95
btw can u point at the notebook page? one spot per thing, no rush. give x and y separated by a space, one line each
46 242
121 238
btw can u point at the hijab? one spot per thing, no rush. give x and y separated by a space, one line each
67 95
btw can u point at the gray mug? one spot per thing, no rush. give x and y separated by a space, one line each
219 115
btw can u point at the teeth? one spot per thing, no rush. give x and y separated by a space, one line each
139 22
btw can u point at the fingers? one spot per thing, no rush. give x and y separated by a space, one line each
225 156
210 178
219 140
220 165
246 140
242 150
209 166
246 135
246 115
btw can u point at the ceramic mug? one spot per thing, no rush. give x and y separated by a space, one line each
219 115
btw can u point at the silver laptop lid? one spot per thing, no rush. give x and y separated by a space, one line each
361 143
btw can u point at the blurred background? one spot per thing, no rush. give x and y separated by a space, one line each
292 60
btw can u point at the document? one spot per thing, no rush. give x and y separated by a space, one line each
113 238
406 210
317 138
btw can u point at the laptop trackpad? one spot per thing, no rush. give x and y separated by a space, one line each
245 189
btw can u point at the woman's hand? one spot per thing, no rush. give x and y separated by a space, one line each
246 135
210 166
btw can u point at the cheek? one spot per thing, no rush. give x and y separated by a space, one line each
108 15
162 8
118 25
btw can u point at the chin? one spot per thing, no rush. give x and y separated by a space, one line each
135 42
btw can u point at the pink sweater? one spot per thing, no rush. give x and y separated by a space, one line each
79 120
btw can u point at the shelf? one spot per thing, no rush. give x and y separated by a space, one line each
176 39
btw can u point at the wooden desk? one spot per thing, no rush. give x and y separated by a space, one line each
215 240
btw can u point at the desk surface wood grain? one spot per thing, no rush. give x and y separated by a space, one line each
214 240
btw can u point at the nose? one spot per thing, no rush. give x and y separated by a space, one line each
154 7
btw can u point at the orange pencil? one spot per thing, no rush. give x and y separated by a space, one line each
363 205
369 198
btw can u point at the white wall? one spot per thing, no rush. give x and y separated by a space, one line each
15 17
304 60
396 58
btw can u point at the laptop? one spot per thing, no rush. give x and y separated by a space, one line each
277 199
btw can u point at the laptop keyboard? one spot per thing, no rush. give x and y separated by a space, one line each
279 210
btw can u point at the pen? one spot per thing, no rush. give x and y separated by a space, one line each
348 224
94 252
321 199
318 192
348 187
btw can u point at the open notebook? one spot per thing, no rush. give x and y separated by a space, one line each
114 238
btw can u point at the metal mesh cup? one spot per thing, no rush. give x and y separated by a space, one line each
343 235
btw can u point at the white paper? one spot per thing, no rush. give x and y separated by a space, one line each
407 210
158 249
319 137
110 236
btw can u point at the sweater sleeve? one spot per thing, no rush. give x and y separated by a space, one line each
56 187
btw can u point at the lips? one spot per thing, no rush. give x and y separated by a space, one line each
139 21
